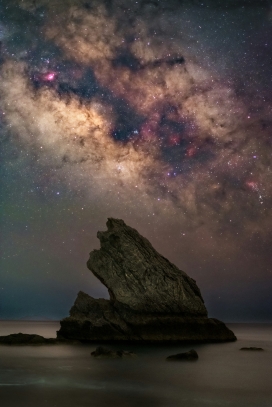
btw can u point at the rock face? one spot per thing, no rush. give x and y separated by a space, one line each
138 277
150 298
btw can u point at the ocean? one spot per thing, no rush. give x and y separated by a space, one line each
68 376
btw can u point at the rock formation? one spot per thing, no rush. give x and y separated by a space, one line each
150 298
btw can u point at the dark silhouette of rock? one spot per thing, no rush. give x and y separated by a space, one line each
252 348
104 353
26 339
150 298
190 355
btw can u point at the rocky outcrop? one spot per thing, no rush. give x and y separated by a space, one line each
150 298
27 339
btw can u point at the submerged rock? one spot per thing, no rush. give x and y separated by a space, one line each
253 348
102 353
151 300
190 355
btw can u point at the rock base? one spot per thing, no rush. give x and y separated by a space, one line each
99 320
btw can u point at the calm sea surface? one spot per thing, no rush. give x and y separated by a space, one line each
67 376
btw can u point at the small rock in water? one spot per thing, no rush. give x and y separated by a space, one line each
190 355
251 348
101 352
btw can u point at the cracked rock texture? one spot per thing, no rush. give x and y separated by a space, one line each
150 298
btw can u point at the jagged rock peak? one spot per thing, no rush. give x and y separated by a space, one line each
139 278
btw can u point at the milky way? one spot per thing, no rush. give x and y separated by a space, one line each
159 112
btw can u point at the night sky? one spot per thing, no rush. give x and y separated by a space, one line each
156 112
